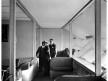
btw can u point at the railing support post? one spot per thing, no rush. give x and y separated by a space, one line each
12 40
98 37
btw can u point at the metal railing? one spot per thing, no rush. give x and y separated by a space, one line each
5 75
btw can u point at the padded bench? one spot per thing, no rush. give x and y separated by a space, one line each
61 66
79 78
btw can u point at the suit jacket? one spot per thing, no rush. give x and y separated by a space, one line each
52 50
43 52
40 51
46 52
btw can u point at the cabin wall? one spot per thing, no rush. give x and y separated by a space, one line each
37 38
52 33
65 39
24 45
24 33
55 33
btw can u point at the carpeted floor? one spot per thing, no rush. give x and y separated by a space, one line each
41 77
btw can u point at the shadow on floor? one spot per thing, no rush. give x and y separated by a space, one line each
41 77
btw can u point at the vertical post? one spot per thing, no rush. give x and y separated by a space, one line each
70 38
98 37
61 39
12 39
1 47
34 38
40 36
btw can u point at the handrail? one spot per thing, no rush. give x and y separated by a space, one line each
86 44
23 63
86 51
77 43
5 72
9 77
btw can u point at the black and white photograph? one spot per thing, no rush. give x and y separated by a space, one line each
53 40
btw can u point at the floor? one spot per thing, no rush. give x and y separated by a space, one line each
41 77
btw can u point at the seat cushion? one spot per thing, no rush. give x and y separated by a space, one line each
59 54
59 73
61 62
61 68
78 78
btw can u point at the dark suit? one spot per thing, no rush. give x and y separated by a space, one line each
40 51
52 50
46 60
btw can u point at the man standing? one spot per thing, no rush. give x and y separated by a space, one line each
40 53
46 59
52 48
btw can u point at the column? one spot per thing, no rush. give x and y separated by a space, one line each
12 40
70 38
34 38
40 36
61 39
98 37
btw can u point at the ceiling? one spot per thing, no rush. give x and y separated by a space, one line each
56 13
53 13
20 15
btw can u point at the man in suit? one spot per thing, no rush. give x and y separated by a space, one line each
52 48
40 53
46 59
